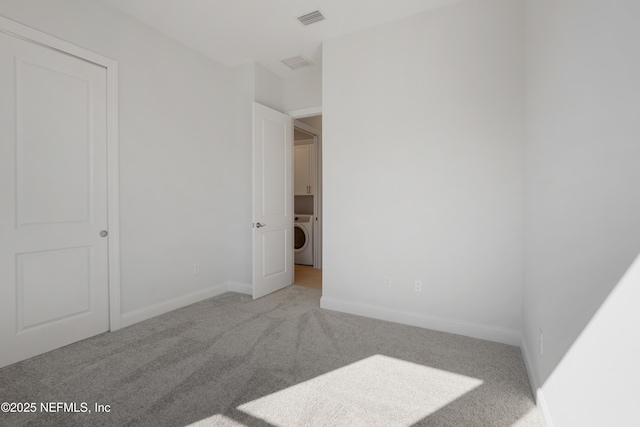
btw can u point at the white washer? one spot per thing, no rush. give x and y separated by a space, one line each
303 239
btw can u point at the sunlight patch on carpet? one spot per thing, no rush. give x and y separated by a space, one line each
378 390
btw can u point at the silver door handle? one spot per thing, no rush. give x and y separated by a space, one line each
103 233
258 225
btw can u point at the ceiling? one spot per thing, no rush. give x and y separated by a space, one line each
236 32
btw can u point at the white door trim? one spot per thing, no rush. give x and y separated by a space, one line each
305 112
35 36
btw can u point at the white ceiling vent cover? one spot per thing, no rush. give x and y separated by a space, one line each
297 62
311 17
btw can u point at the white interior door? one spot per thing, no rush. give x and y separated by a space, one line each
272 200
53 199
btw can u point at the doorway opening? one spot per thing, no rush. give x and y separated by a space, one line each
308 201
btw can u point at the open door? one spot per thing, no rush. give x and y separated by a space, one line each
272 200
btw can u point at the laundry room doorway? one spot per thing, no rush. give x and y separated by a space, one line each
308 200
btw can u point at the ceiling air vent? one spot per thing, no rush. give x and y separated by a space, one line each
297 62
310 18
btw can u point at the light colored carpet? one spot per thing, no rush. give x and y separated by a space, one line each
276 361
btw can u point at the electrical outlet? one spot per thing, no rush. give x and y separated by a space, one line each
418 285
196 268
387 281
541 342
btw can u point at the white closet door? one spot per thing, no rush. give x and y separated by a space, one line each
53 199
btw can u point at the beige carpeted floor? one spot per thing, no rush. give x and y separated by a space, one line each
276 361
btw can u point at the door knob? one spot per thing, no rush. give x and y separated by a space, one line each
103 233
258 225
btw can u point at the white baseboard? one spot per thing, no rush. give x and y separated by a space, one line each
526 355
541 403
241 288
474 330
128 319
545 418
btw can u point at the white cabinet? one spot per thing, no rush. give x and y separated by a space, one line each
305 171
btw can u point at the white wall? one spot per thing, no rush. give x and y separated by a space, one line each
239 182
269 88
423 170
582 207
176 130
303 89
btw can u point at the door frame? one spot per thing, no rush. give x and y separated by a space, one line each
32 35
317 200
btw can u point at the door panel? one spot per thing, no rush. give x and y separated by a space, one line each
53 198
44 277
275 257
52 104
272 200
274 167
